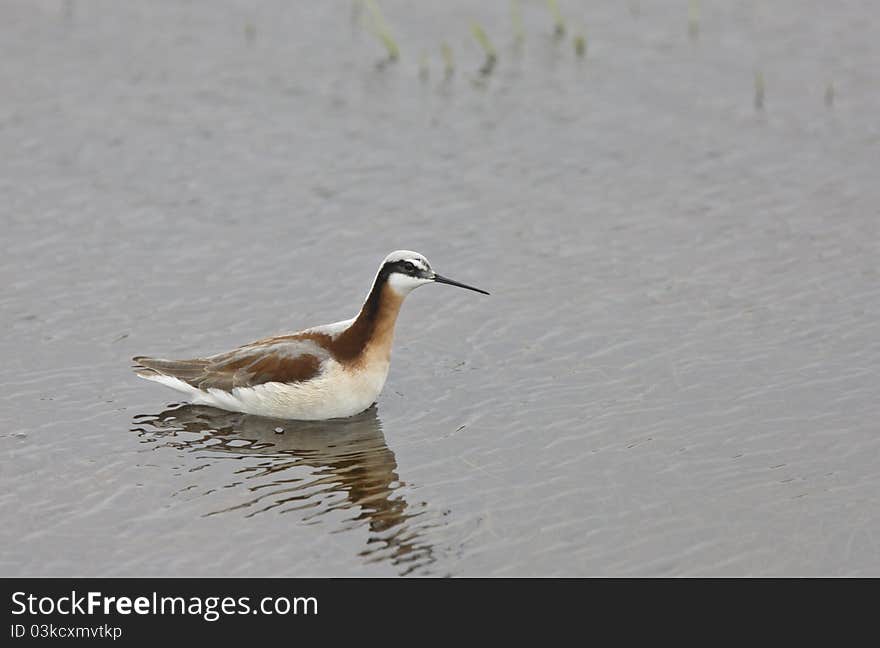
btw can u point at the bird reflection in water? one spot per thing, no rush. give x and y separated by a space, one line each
314 467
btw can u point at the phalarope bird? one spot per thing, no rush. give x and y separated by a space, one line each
325 372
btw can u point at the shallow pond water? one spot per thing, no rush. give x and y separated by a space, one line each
677 372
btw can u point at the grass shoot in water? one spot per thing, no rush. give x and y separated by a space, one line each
485 43
558 20
380 29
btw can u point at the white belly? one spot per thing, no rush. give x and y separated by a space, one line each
338 392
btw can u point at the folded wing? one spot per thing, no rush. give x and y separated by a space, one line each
285 360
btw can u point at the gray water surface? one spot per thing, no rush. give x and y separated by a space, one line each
677 372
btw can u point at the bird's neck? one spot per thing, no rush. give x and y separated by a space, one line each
372 332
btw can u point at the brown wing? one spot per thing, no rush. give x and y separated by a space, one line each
284 360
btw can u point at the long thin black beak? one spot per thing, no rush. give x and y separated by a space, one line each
442 279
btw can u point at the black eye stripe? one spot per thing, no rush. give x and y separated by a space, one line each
414 269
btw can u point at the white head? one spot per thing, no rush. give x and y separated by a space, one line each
405 271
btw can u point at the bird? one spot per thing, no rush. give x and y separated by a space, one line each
324 372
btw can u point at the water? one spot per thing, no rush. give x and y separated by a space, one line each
677 373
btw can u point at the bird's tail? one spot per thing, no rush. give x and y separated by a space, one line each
185 370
